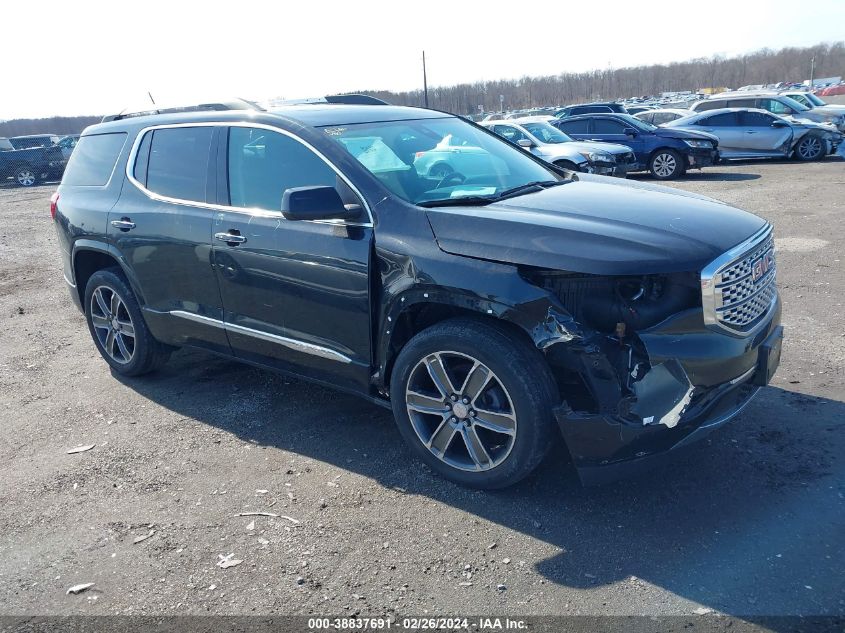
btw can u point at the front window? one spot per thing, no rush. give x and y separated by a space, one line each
440 160
634 122
546 133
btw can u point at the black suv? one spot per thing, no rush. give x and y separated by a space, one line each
486 302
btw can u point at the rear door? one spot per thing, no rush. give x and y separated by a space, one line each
578 129
725 125
162 227
296 294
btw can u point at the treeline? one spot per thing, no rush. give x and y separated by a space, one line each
760 67
53 125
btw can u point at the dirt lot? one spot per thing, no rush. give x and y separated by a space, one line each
750 522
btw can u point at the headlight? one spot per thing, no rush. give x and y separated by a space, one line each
697 143
597 157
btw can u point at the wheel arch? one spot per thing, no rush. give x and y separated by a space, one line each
89 256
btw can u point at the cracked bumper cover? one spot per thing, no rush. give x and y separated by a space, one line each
698 381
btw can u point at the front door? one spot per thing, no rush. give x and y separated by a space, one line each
162 226
295 293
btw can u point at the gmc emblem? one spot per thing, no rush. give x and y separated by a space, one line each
762 266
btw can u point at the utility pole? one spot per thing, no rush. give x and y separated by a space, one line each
812 70
425 82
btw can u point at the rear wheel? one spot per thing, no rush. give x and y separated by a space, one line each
666 164
809 148
25 176
117 325
474 402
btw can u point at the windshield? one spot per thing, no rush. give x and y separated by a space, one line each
795 105
440 160
814 99
546 133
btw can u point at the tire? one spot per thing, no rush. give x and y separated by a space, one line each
666 164
567 164
117 325
810 148
25 176
515 399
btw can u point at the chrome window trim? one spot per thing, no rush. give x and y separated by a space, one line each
708 284
130 168
291 343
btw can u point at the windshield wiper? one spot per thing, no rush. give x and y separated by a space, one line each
465 201
529 187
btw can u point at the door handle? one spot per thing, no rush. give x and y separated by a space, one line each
750 132
231 238
123 224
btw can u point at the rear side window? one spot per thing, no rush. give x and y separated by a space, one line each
708 105
178 162
576 127
608 126
725 119
93 160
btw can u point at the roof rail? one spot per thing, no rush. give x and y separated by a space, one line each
210 106
348 99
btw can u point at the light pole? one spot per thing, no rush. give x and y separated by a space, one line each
425 82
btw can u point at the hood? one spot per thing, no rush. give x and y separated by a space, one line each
594 146
598 225
682 133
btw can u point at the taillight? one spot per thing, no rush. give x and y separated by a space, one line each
54 204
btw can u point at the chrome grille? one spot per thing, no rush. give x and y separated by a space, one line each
733 299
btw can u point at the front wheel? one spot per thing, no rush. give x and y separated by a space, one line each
666 164
117 326
25 176
474 402
809 148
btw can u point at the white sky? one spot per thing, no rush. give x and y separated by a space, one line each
97 57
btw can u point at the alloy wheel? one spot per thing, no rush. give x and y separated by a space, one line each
461 411
112 324
25 177
664 165
810 148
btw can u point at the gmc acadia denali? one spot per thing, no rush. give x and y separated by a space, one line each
486 309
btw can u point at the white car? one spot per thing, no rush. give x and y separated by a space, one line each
662 115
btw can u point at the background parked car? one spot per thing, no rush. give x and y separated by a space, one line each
67 144
666 153
662 115
589 108
27 166
541 139
33 140
814 102
748 133
771 101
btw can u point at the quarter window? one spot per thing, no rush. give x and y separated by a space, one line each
178 162
93 160
263 164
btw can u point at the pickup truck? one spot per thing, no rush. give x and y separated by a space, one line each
26 167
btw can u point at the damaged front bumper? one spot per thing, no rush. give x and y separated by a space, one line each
697 381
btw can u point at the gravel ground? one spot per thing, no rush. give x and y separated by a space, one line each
749 522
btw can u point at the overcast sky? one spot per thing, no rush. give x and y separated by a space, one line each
96 57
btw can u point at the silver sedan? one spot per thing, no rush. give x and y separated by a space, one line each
751 133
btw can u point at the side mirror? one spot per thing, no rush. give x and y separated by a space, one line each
524 142
316 203
779 123
629 131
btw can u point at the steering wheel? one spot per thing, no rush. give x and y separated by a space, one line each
452 175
